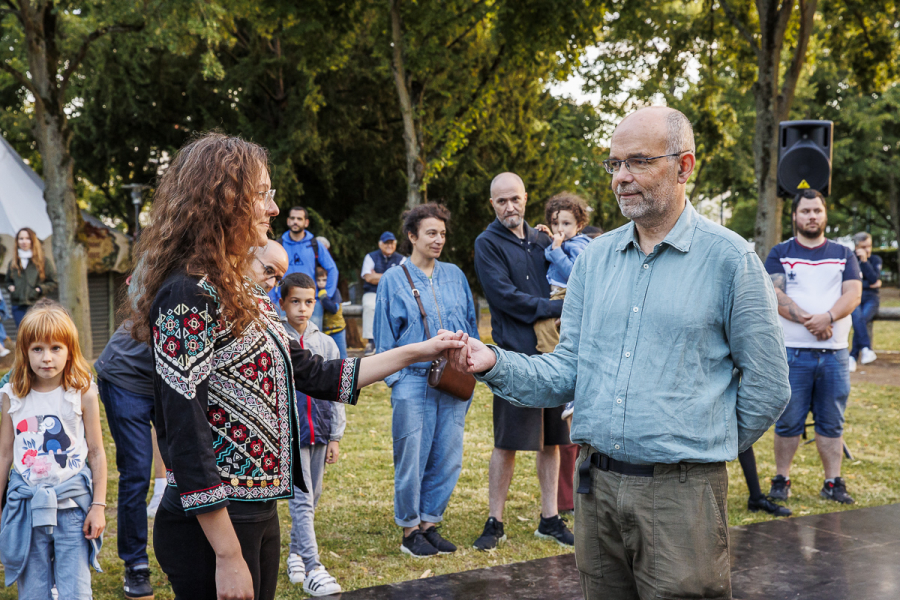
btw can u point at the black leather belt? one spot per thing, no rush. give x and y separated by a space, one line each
606 463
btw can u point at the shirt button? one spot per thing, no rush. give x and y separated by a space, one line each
646 266
617 446
635 309
526 277
618 401
628 355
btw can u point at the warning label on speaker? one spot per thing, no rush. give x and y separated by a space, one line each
803 185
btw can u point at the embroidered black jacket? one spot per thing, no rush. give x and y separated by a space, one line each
227 422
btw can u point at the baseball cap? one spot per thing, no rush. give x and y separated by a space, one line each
387 236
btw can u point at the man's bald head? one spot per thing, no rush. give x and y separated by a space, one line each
651 192
508 198
505 182
270 265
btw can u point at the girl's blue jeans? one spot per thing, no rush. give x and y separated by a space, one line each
427 429
70 552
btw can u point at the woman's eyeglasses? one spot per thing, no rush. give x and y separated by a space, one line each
268 195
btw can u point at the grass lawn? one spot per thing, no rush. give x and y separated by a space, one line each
360 544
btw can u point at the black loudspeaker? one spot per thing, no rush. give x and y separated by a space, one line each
804 157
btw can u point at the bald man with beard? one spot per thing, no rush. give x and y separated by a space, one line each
672 351
512 268
269 265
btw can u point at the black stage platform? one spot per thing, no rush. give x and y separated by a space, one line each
839 556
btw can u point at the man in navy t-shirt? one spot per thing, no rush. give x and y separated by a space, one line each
870 267
818 285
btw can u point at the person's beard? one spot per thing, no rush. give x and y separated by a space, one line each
297 228
512 221
652 206
812 232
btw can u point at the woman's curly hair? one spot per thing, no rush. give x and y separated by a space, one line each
573 203
202 225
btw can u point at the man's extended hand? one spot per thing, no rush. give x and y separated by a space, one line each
475 357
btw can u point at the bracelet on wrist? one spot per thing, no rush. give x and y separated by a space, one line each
103 504
831 316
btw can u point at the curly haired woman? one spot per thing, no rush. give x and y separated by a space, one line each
226 372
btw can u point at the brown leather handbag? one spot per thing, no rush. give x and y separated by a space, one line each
440 375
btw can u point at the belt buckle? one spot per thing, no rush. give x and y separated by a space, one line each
604 463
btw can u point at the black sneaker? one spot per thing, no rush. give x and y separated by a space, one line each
836 491
764 504
555 529
434 538
137 583
781 488
416 545
491 536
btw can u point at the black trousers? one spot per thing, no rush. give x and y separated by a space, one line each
188 559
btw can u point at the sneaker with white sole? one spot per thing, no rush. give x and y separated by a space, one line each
867 356
319 582
4 351
296 569
569 410
852 365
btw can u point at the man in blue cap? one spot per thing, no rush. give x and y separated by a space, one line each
374 266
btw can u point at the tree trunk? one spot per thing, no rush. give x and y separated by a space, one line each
53 137
894 202
415 167
773 105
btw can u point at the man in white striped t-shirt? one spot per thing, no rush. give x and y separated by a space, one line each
818 284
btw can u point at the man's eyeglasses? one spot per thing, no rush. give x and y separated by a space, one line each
270 271
635 165
268 195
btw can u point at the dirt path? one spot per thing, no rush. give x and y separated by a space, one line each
884 371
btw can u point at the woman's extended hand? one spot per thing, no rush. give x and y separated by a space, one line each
439 344
474 357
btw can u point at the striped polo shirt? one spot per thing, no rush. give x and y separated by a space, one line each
814 278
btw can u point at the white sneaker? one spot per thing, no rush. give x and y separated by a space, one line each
320 583
296 569
154 505
852 365
54 593
866 356
569 410
4 351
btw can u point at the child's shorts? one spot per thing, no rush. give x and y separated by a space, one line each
546 330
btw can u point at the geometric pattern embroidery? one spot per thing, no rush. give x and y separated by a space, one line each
250 394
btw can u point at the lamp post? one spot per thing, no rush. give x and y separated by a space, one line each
136 189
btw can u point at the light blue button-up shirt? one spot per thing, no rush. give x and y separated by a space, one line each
676 356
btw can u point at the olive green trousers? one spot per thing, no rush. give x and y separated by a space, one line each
664 536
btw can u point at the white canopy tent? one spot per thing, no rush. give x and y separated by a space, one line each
21 196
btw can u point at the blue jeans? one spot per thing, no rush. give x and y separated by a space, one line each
862 316
70 553
129 416
19 313
820 382
427 428
318 314
340 338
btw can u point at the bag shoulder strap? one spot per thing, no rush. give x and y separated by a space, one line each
315 248
418 301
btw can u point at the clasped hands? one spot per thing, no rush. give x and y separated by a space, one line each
819 325
472 357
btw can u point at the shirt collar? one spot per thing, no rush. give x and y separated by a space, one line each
680 237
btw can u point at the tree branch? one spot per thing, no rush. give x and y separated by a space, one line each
740 27
784 17
789 85
12 11
20 77
75 62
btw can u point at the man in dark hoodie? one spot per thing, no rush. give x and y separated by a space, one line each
304 253
510 264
